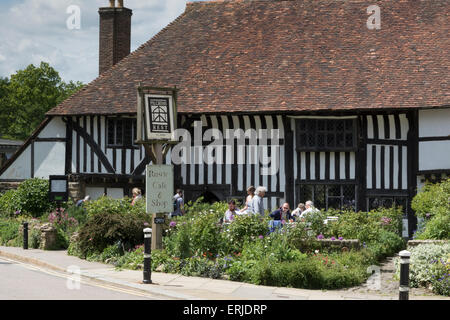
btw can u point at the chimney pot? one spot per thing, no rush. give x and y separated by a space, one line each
120 3
112 3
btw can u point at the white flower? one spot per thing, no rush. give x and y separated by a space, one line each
317 251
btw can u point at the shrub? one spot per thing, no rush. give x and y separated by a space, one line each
430 198
441 276
422 258
304 273
105 205
105 229
366 226
387 244
9 232
60 219
244 229
9 203
178 241
32 197
437 227
78 213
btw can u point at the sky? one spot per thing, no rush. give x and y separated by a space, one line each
32 31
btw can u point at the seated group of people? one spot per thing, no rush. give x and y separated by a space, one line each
254 205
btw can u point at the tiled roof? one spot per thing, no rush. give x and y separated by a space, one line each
267 56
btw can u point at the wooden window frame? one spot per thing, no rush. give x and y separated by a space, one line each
125 144
302 131
327 196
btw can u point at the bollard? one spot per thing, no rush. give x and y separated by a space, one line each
404 275
25 235
147 255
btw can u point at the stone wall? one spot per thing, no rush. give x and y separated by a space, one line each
5 186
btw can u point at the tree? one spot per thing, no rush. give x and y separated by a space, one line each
30 93
4 105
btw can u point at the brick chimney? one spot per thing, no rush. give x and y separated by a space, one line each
115 34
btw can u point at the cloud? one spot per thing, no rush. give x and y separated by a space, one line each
36 30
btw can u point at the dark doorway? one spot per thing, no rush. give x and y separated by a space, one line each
209 197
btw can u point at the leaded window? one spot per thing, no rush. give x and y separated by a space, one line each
326 196
326 134
121 132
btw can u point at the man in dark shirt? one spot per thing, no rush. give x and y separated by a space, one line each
282 213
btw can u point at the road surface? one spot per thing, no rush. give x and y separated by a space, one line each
19 281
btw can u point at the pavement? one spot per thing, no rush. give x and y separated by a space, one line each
177 287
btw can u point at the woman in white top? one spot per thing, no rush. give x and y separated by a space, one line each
251 194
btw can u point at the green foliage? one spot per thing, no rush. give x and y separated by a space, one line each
432 205
9 203
308 273
104 229
387 244
29 94
32 197
431 199
366 226
77 213
440 281
436 228
35 238
244 229
9 231
428 264
113 206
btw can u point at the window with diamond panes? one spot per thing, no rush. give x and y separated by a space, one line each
326 134
387 202
121 133
341 197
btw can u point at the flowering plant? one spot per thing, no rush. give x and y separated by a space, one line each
60 218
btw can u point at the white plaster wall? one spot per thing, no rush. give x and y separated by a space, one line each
56 128
95 192
49 159
115 193
434 123
21 168
434 155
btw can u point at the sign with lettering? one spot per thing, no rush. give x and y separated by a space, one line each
160 220
159 188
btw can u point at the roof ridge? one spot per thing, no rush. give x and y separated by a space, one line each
207 2
121 62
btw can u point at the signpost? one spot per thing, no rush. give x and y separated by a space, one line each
156 124
159 194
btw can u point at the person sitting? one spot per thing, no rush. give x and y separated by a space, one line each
282 213
251 194
298 211
231 213
310 209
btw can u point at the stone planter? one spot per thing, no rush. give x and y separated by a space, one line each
48 237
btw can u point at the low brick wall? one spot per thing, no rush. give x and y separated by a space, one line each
350 244
414 243
5 186
334 245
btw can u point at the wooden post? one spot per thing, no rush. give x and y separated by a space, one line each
157 228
